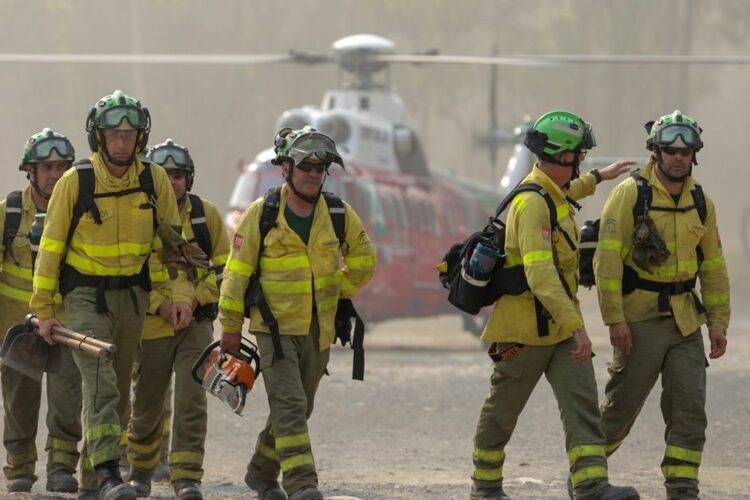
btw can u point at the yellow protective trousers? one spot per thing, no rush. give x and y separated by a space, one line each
574 387
22 400
660 349
291 383
158 359
106 384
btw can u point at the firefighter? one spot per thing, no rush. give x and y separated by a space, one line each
304 271
95 244
650 304
164 350
541 331
46 157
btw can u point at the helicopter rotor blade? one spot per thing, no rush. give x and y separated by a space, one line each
481 60
211 59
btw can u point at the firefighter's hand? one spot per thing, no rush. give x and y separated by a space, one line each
615 170
230 342
165 311
582 352
718 343
182 315
45 328
620 337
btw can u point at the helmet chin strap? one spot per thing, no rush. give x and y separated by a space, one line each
35 185
116 163
575 165
312 200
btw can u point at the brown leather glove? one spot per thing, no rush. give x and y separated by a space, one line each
179 254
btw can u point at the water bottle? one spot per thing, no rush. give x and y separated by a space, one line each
483 258
35 236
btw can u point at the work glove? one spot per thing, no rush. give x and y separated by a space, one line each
343 322
179 254
649 248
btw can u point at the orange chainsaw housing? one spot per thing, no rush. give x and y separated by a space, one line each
237 371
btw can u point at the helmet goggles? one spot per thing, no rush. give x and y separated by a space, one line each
113 117
160 155
314 144
41 150
670 133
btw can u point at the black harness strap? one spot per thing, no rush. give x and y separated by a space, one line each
202 236
70 278
345 308
254 293
13 212
631 280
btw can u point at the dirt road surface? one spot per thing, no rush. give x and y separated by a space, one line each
406 431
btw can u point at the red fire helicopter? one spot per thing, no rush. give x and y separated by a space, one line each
412 212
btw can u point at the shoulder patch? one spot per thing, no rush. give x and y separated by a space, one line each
237 240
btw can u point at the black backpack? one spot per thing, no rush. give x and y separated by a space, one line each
590 229
345 311
471 290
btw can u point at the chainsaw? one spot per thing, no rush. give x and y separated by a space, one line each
227 375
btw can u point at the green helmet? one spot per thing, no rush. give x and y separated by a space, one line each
45 146
559 131
674 128
296 145
118 110
171 155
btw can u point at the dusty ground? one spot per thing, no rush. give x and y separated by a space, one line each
406 431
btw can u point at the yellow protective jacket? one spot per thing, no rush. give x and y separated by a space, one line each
206 291
117 247
528 242
294 276
15 272
682 232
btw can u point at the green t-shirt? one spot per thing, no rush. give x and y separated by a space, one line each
300 225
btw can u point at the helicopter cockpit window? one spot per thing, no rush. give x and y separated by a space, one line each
403 216
408 151
371 206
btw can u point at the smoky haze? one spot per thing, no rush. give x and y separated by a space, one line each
226 113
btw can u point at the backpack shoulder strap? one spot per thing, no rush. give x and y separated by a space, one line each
643 198
536 188
199 224
699 199
13 212
85 202
338 216
271 204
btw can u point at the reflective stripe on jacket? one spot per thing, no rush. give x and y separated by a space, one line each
117 247
206 291
293 274
682 232
15 275
528 242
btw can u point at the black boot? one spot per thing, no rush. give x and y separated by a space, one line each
111 486
610 492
